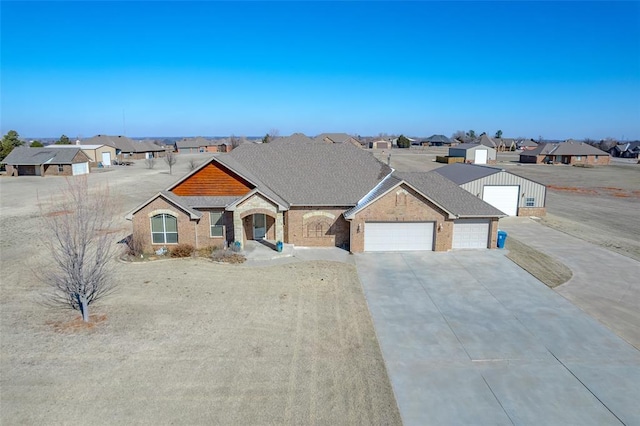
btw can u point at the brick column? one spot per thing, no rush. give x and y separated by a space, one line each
238 231
279 227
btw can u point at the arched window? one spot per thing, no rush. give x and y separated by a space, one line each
164 229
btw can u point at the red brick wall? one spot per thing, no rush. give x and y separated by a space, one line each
394 207
194 232
316 231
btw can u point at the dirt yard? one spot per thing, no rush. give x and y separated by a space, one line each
598 204
183 341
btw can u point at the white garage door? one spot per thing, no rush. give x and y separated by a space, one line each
481 156
504 198
80 169
398 236
106 159
470 234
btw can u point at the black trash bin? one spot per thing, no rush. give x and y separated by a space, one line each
502 239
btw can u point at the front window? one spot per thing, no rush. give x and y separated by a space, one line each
578 157
217 224
596 158
530 202
60 168
164 229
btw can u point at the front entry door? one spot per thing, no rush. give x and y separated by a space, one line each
259 226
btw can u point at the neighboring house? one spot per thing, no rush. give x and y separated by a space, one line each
394 141
474 153
499 144
338 138
436 140
99 155
311 194
570 152
512 194
380 144
126 148
202 145
626 150
526 144
26 161
294 138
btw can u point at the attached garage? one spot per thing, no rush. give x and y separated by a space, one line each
504 198
398 236
79 169
470 233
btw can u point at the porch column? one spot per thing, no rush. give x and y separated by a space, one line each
280 226
238 231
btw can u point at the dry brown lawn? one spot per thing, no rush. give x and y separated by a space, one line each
183 341
188 341
545 268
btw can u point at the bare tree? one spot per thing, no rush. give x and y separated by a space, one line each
193 163
150 162
235 141
171 160
77 232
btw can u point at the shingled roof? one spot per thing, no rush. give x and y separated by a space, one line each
449 195
26 156
457 202
123 143
311 174
565 148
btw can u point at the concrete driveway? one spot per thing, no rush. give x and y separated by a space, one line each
470 338
604 284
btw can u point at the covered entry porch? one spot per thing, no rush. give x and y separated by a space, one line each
258 218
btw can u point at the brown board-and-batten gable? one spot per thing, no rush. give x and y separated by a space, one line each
214 179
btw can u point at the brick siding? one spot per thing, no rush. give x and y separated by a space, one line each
402 205
316 227
532 211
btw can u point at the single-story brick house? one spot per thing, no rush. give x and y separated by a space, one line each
569 152
512 194
314 194
201 145
380 144
99 155
474 153
436 140
26 161
626 150
526 144
126 148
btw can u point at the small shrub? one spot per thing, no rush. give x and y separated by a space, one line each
206 251
227 257
182 250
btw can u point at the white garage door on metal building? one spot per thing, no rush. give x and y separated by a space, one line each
470 233
504 198
79 169
481 156
398 236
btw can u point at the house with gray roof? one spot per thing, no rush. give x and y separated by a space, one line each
313 194
338 138
26 161
202 145
436 140
126 148
570 153
510 193
626 150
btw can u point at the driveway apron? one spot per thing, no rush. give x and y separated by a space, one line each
469 338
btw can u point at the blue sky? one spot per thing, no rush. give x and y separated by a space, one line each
552 69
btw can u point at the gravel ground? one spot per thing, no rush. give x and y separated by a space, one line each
183 341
